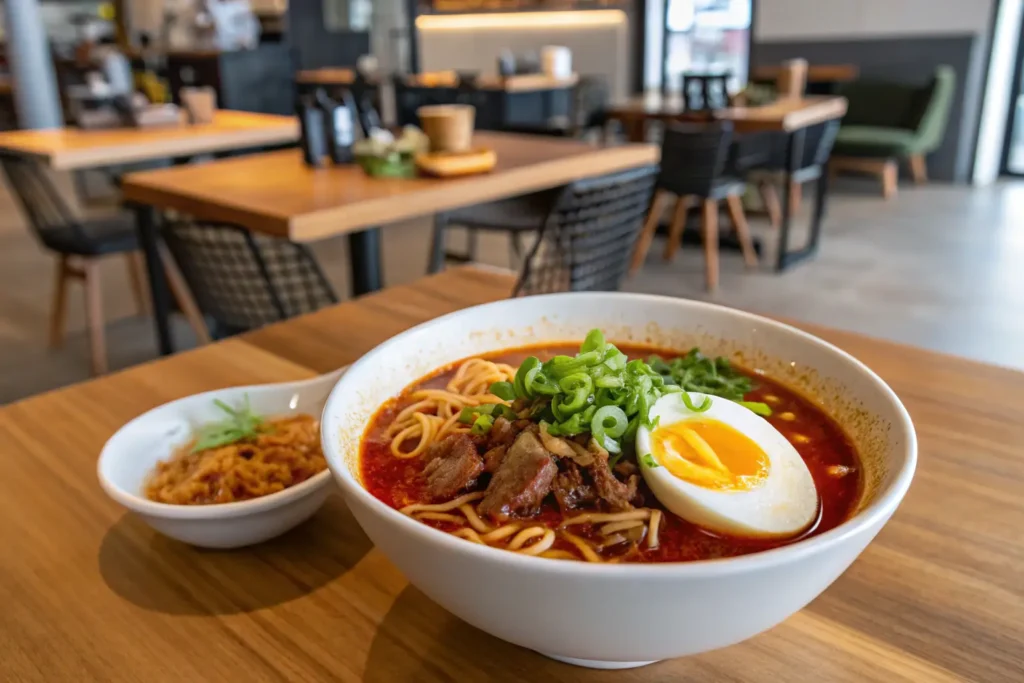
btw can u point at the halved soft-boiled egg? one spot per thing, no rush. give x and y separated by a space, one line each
725 468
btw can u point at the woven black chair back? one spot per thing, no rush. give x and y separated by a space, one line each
586 242
244 280
693 157
42 203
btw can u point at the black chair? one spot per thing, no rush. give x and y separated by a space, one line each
515 216
242 280
810 165
693 167
585 241
705 92
591 98
79 246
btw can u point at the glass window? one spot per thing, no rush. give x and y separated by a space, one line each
707 36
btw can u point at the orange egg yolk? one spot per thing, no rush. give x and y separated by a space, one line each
710 454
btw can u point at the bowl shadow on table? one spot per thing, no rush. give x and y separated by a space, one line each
160 574
418 640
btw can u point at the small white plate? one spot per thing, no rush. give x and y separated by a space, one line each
132 453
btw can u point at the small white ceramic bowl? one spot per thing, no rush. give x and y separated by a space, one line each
132 454
616 616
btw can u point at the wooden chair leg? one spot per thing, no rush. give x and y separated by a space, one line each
918 169
59 312
709 224
137 278
675 231
796 193
770 199
739 221
183 296
643 243
890 179
94 316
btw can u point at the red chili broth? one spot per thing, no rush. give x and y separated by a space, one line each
399 482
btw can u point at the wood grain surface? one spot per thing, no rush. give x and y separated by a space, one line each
816 73
89 592
278 194
73 148
782 115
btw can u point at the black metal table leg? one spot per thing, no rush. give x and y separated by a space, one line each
149 240
794 158
365 261
820 200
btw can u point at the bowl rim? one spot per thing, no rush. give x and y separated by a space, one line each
876 512
152 508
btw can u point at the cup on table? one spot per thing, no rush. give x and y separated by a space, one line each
449 127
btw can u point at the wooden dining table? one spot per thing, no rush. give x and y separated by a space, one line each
791 117
72 149
278 194
91 593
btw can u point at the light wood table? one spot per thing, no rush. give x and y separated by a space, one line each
817 74
90 592
67 149
782 116
278 194
786 116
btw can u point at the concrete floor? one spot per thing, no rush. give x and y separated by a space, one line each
940 267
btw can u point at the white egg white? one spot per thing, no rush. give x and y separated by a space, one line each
783 504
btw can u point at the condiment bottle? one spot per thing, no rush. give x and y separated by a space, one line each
339 127
311 120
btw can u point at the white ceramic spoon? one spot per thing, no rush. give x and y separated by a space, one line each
132 453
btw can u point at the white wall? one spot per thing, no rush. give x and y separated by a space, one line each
1000 91
598 50
851 19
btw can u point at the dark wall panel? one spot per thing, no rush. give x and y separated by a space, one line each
314 46
909 59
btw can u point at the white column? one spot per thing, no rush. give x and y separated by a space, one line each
35 84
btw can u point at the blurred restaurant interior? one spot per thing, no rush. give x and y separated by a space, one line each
868 156
511 340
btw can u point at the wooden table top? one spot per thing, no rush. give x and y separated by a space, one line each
72 148
326 76
341 76
816 73
92 593
786 114
277 193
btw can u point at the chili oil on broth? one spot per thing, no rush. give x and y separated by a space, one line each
826 450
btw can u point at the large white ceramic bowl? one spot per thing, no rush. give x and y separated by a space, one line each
613 616
133 452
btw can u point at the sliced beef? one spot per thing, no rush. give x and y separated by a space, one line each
625 469
502 433
565 448
617 495
493 458
453 466
522 481
571 489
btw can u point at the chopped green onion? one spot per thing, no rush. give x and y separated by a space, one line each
241 423
593 342
688 402
608 424
482 425
649 460
762 409
520 383
506 391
